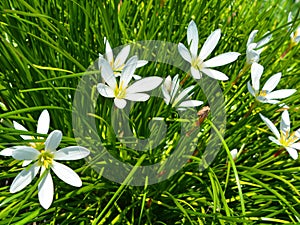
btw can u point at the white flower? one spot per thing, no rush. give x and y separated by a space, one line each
122 91
266 95
254 49
42 128
179 100
198 63
284 138
117 64
234 153
295 36
44 161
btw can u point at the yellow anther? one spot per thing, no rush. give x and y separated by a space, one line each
45 159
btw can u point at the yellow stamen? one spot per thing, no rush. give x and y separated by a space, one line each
120 92
287 140
45 159
197 63
262 93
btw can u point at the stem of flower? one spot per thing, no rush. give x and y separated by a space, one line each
184 79
250 109
286 51
242 71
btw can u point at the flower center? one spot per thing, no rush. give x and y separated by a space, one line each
45 159
263 93
120 91
197 63
287 140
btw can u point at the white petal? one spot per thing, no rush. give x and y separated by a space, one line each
184 52
250 89
145 84
256 72
71 153
272 82
165 90
18 126
234 153
192 38
25 153
290 17
263 42
167 84
285 121
46 191
128 71
26 163
136 77
272 101
121 57
210 44
293 152
53 140
7 151
284 93
215 74
120 103
105 90
43 123
141 63
251 37
175 86
24 178
252 55
196 73
107 73
137 97
99 61
183 94
66 174
108 52
271 126
296 146
222 59
274 140
190 103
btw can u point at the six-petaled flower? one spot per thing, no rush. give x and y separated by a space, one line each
199 64
284 137
44 160
266 94
117 63
178 99
122 91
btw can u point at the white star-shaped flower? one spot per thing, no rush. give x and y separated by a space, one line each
266 95
254 49
117 64
44 160
122 91
42 128
295 36
198 63
180 100
284 138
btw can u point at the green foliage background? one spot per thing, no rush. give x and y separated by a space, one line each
45 48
